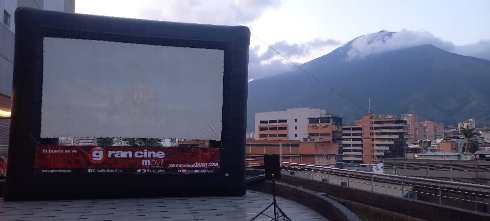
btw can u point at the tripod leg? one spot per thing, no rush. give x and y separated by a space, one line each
283 214
262 212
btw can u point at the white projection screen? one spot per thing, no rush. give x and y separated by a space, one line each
95 88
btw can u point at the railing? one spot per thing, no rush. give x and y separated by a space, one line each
457 194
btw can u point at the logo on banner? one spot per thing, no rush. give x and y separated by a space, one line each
96 155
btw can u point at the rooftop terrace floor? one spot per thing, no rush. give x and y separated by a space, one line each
184 208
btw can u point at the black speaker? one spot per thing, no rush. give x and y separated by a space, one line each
272 166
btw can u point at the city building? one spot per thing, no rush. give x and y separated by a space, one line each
450 146
301 135
325 128
468 124
380 136
412 127
352 144
318 153
291 124
418 130
430 130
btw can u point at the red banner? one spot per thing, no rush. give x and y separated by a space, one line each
121 159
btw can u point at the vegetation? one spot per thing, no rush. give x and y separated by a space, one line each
105 141
470 143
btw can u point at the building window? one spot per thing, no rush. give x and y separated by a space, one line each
296 120
6 18
263 121
263 135
262 128
324 120
295 127
312 120
283 121
295 135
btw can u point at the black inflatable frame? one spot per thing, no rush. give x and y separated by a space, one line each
33 25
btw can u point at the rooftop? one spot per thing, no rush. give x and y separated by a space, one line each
183 208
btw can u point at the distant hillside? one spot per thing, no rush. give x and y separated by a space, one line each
424 79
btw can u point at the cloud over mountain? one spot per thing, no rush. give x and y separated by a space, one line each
210 11
384 41
281 56
480 49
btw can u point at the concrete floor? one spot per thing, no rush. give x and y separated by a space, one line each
199 208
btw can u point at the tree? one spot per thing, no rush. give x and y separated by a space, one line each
131 141
143 142
470 144
105 141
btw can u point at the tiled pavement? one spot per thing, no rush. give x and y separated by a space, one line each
199 208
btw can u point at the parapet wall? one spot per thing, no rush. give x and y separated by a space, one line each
398 206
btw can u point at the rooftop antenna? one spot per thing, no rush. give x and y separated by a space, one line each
369 105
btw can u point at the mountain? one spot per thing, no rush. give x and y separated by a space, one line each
399 78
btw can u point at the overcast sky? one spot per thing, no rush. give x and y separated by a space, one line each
304 29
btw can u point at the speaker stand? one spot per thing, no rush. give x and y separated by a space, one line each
278 213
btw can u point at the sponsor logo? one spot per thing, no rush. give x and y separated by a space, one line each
96 155
146 162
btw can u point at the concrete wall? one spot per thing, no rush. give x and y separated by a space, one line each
476 171
396 205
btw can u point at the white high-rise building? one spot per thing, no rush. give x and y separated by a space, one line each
291 124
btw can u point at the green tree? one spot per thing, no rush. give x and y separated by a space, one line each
131 141
105 141
153 142
470 144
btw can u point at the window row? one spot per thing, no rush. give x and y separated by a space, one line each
272 128
272 135
319 134
273 145
273 121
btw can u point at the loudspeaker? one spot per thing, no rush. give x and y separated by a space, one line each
272 166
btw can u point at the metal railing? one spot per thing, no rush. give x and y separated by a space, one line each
457 194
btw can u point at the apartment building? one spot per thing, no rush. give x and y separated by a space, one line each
430 130
325 128
380 136
412 127
318 153
301 135
352 144
291 124
418 130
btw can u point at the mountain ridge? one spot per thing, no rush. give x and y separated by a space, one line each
420 79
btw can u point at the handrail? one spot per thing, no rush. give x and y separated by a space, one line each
405 178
